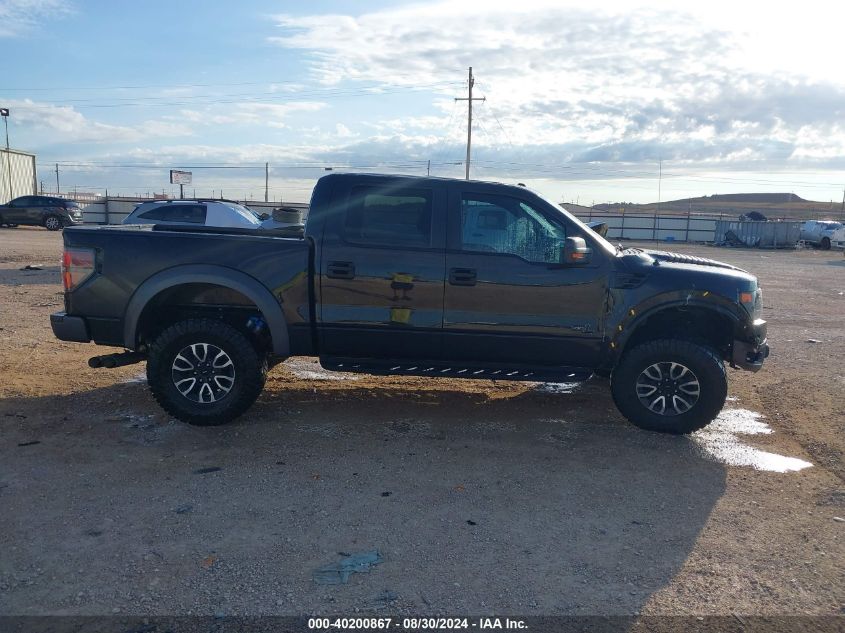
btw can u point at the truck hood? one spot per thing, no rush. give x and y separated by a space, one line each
679 271
681 258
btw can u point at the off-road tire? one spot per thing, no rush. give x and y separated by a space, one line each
250 371
825 244
53 223
702 361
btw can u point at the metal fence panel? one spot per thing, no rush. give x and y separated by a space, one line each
661 227
17 170
761 234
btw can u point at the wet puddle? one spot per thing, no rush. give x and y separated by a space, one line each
311 370
557 387
721 441
139 379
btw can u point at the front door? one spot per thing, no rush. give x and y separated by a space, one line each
381 272
508 297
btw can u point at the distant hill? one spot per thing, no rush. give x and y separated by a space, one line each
772 205
765 198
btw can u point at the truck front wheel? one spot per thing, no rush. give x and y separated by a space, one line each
205 372
670 386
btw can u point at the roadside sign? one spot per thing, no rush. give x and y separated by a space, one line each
180 177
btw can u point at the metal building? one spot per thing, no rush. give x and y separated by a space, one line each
17 174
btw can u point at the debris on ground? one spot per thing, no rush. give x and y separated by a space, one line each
338 573
210 469
208 561
33 267
813 340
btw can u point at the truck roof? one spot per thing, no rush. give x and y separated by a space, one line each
411 178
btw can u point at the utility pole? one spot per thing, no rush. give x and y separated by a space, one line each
266 182
843 204
469 99
57 179
659 182
428 168
655 223
4 112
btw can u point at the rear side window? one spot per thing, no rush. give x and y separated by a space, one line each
389 216
192 213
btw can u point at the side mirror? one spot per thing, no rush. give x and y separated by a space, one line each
264 216
576 252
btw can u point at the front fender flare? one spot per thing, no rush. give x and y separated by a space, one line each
208 274
636 316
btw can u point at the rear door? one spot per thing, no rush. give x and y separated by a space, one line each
381 267
508 297
17 211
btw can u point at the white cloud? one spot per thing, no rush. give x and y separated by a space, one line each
66 124
621 82
250 113
19 17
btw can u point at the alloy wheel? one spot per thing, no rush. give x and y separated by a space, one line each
203 373
668 388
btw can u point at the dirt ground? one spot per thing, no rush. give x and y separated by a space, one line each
479 497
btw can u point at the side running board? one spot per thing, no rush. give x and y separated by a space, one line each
441 369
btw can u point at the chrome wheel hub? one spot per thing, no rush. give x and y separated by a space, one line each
668 388
203 373
52 223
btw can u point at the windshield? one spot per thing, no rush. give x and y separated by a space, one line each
248 214
610 248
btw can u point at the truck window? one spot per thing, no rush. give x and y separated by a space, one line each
388 217
501 224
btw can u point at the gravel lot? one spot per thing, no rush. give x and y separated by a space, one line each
480 497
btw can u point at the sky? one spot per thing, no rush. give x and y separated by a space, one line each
586 102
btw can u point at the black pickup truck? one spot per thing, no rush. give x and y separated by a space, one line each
413 276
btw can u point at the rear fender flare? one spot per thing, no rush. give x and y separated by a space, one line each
208 274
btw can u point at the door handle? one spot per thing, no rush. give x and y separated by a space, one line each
462 276
340 270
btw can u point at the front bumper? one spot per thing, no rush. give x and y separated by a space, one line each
69 328
750 353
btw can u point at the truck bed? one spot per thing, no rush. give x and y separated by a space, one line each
129 257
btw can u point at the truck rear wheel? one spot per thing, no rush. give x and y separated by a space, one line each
205 372
825 244
670 386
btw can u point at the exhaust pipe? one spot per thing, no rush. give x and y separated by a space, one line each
109 361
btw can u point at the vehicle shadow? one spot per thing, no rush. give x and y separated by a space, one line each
537 503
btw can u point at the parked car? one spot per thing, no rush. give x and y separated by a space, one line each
51 213
823 233
220 213
409 276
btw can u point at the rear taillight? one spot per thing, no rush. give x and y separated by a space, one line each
77 266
